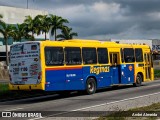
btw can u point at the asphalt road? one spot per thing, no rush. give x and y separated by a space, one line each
56 104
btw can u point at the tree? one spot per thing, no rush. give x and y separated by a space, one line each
44 24
20 32
7 31
56 22
1 16
66 34
31 25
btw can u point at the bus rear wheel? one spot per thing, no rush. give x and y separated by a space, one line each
138 81
91 86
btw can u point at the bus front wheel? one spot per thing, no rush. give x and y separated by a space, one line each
91 86
138 81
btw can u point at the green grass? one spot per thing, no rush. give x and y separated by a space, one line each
157 73
3 88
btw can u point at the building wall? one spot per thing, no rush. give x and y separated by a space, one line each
136 41
156 45
12 15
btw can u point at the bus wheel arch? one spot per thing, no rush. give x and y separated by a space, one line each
139 80
141 76
91 85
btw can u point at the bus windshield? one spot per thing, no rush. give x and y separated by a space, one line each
25 65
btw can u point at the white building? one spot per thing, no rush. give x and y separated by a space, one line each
154 44
12 15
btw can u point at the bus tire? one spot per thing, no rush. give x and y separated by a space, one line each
138 81
90 86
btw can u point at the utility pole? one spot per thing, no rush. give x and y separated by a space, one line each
27 4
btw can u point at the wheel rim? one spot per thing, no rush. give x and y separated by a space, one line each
138 80
91 87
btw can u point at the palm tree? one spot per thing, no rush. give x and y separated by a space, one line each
56 22
43 24
66 34
20 32
31 25
1 16
7 31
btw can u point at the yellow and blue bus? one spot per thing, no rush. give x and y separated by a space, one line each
78 65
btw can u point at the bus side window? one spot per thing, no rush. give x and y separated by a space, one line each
102 55
54 56
129 55
89 55
139 55
114 58
73 56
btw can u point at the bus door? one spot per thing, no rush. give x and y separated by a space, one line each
147 65
114 68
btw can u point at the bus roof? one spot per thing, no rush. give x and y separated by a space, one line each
88 43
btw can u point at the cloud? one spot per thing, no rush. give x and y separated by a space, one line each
95 18
102 19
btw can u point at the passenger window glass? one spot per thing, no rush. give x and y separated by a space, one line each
54 56
73 56
102 55
139 55
129 55
114 58
89 55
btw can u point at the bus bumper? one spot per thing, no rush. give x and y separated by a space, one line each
26 87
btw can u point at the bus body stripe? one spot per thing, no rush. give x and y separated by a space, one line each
64 68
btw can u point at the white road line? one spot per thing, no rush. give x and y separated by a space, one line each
13 109
116 101
100 105
36 118
141 87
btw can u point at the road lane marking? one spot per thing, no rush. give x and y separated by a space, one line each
97 106
14 109
36 118
115 101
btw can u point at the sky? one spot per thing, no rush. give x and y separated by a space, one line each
102 19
